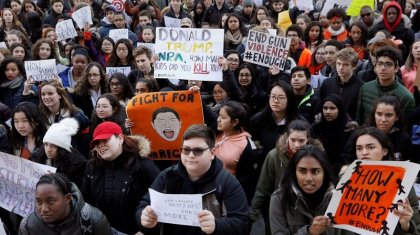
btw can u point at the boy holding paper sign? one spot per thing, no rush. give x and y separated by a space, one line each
225 209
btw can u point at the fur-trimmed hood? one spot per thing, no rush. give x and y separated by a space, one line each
144 145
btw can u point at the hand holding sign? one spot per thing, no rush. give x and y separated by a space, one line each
82 17
207 221
148 218
405 215
319 225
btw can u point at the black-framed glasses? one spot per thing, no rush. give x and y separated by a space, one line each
196 151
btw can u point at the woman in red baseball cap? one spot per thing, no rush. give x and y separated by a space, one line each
118 175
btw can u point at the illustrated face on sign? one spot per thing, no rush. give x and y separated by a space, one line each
309 175
166 123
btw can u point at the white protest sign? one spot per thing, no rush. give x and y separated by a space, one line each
150 46
272 32
266 50
368 193
3 45
258 3
176 208
18 178
305 5
40 70
65 29
330 4
172 22
112 70
82 17
117 34
187 53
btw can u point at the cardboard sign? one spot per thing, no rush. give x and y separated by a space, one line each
163 118
112 70
65 29
266 50
284 20
305 5
18 178
82 17
176 208
368 193
330 4
40 70
172 22
191 54
117 34
356 5
150 46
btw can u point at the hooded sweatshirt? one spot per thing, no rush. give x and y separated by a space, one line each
230 148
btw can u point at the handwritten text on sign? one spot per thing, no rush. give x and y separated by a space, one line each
176 208
40 70
82 17
117 34
190 54
65 29
367 194
18 178
266 50
123 70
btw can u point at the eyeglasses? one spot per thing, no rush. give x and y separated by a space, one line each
278 98
363 15
118 20
196 151
247 75
386 65
118 84
96 75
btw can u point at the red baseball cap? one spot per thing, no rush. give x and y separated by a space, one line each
105 130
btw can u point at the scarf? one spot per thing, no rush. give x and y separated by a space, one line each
12 84
335 33
235 38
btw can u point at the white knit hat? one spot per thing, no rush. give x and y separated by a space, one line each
60 133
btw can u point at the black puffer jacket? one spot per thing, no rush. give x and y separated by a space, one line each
116 187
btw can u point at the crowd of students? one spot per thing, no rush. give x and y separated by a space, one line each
274 142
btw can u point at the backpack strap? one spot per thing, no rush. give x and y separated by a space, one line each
85 220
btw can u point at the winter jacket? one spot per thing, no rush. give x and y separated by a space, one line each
302 57
372 90
271 173
256 99
51 19
115 187
218 188
33 224
213 14
12 96
309 104
72 165
398 30
296 217
105 28
348 91
182 14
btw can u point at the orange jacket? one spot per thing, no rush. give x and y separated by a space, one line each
305 58
341 37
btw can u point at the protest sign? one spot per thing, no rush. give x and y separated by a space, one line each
150 46
163 118
40 70
65 29
367 194
284 20
176 208
266 50
3 45
305 5
82 17
187 53
335 4
117 34
112 70
18 178
172 22
356 5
